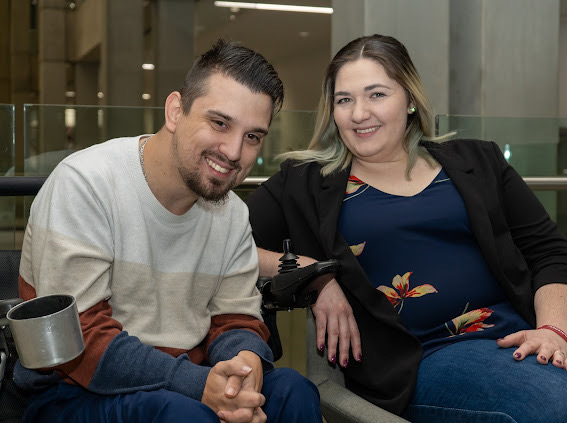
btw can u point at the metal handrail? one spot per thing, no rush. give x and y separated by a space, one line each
535 183
11 186
546 183
29 185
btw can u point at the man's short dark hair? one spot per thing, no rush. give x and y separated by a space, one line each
232 60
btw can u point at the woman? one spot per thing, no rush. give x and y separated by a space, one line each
448 259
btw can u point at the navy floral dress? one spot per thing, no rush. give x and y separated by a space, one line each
420 252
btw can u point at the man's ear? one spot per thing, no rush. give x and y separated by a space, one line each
173 111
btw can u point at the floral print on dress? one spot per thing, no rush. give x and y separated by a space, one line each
358 248
353 186
401 293
472 321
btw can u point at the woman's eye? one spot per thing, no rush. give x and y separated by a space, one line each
342 100
377 95
219 123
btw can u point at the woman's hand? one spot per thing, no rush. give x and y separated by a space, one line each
548 346
334 317
332 311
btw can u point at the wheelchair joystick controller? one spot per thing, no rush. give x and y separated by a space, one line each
294 286
288 260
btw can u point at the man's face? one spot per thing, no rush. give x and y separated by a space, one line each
216 144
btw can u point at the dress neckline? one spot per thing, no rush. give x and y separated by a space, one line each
361 186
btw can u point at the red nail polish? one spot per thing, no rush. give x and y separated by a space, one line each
517 355
345 363
322 347
543 358
359 359
333 359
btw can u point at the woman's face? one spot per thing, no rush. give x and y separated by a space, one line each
370 111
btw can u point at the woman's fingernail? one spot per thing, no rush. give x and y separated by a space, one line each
559 362
542 358
322 347
333 359
517 355
359 359
345 363
230 391
220 415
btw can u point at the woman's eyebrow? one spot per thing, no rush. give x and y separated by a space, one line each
374 86
367 88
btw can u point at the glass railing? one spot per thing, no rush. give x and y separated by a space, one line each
7 160
52 132
535 147
532 145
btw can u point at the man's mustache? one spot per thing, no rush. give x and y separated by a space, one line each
222 159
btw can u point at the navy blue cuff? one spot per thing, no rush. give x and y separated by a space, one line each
230 343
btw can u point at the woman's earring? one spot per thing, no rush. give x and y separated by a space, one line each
412 110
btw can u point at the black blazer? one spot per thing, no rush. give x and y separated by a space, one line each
520 243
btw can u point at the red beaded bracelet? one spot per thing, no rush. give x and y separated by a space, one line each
556 330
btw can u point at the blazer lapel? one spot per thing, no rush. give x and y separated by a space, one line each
329 207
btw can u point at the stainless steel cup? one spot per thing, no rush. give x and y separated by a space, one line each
46 331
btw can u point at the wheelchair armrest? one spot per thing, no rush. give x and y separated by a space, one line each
296 288
293 287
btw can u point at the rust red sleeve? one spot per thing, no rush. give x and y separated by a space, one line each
225 322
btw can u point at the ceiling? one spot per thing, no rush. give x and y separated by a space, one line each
277 35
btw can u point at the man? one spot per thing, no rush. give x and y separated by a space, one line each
145 233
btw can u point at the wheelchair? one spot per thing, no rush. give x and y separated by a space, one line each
293 287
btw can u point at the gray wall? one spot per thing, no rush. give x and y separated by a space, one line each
484 57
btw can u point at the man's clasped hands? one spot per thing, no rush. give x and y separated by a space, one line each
233 389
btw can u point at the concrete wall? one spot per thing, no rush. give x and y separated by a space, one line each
423 27
487 57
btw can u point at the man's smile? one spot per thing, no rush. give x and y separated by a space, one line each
217 167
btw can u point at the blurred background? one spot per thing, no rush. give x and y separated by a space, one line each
74 73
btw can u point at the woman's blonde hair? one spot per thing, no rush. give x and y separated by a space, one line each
326 146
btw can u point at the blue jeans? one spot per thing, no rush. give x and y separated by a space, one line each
475 381
289 398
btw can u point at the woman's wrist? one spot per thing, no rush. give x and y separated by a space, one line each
555 329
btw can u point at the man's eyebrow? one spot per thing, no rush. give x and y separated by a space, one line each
262 131
367 88
228 118
221 115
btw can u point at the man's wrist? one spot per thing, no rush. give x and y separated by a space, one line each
250 357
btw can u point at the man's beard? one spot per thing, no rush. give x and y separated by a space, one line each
215 191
